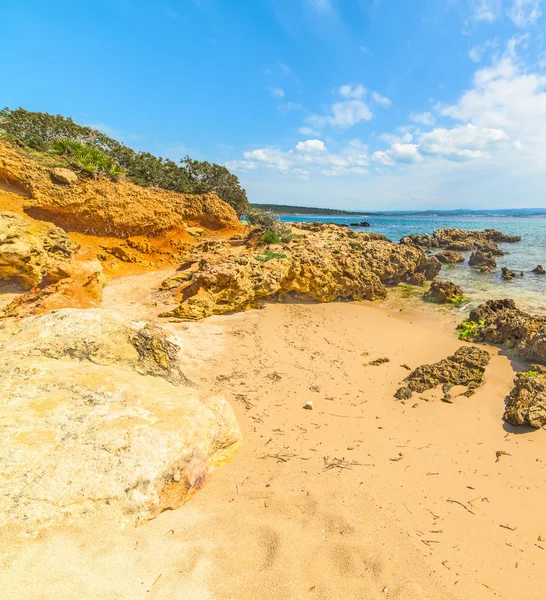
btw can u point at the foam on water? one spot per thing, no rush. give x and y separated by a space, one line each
528 291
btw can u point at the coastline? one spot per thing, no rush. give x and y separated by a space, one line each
274 523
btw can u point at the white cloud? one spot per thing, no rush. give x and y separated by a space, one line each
288 107
311 146
476 54
525 12
307 158
276 92
485 10
398 153
379 99
461 143
308 131
344 115
425 118
349 91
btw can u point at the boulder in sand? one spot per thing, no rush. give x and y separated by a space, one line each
527 401
95 410
466 367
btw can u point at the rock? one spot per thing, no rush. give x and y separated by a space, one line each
309 405
527 401
95 410
64 175
443 292
432 268
379 361
482 260
449 257
507 274
361 224
29 252
417 279
332 263
461 240
102 207
539 270
501 322
466 367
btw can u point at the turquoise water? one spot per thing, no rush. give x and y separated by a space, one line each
529 291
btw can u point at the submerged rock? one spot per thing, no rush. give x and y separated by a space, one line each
482 260
507 274
449 257
466 367
443 292
501 322
527 401
539 270
95 410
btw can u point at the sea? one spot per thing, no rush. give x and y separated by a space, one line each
528 291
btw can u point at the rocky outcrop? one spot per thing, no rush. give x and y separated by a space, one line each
461 240
102 207
539 270
501 322
466 368
95 410
31 253
326 264
361 224
482 260
527 401
444 292
449 257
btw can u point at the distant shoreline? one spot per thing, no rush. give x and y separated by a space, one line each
286 210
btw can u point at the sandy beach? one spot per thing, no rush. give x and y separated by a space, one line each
364 496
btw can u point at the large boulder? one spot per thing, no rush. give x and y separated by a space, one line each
460 240
96 410
527 401
501 322
444 292
466 368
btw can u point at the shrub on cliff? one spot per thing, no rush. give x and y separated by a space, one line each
42 131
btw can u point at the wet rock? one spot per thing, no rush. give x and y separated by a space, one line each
466 368
507 274
501 322
449 257
539 270
527 401
417 279
432 268
482 260
361 224
443 292
461 240
96 410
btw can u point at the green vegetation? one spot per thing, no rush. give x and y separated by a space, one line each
469 329
263 219
531 374
93 151
270 237
283 209
287 236
87 158
268 255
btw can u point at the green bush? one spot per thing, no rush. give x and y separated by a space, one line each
270 237
87 158
268 255
287 236
263 219
40 131
531 374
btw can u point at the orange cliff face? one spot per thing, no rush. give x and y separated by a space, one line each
113 228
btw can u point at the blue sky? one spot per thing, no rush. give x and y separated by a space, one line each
359 104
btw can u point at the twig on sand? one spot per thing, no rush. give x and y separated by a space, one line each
348 416
500 453
461 504
279 457
339 463
508 527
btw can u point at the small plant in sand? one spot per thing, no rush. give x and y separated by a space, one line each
469 329
287 236
268 255
531 374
